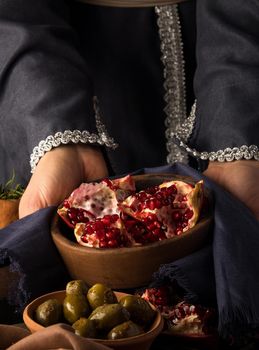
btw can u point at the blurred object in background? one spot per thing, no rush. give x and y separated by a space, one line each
10 195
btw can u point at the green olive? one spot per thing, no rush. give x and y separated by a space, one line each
100 294
85 328
108 316
140 310
125 330
49 312
74 307
77 287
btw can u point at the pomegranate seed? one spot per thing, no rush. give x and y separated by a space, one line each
109 235
184 224
171 190
112 243
151 204
100 233
103 244
106 220
84 239
178 231
99 225
114 218
167 201
151 190
89 230
176 216
188 214
66 204
142 196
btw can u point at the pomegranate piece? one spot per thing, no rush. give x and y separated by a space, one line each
94 200
189 319
166 210
147 231
181 318
159 297
105 232
123 187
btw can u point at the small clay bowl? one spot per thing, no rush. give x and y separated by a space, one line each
140 342
127 268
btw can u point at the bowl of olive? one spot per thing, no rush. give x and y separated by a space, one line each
119 320
166 218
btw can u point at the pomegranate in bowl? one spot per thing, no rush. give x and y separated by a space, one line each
128 228
113 213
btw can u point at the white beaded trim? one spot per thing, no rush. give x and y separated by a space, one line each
76 136
226 155
173 61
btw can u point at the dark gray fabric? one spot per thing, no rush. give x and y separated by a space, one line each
43 79
59 54
227 77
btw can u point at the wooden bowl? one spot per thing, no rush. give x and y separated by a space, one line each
140 342
8 211
126 268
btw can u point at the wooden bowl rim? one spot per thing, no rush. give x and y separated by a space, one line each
154 330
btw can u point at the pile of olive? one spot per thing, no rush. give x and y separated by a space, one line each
96 312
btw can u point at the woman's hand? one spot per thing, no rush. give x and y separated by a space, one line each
241 178
58 173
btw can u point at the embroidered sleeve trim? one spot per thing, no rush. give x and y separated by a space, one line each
101 138
226 155
173 61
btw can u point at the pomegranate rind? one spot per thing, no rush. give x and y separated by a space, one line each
189 325
98 199
193 199
62 212
125 183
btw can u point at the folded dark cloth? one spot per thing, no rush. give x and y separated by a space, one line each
225 273
26 246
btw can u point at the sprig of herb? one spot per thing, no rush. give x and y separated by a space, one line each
11 190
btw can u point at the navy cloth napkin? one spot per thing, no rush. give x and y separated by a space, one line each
225 273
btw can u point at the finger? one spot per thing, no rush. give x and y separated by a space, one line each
31 201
